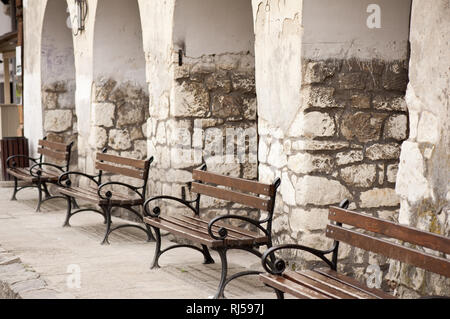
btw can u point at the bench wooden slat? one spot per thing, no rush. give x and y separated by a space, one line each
344 283
24 174
77 192
232 228
319 286
410 256
350 283
193 226
90 194
54 145
198 224
53 154
233 182
193 235
120 170
401 232
232 196
285 285
122 160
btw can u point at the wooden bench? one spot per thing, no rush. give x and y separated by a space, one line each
40 173
327 283
215 233
101 194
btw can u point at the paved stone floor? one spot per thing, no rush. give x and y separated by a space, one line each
119 270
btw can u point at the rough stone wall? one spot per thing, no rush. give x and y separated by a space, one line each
119 117
344 143
423 176
210 95
60 119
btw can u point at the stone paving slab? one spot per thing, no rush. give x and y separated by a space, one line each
42 255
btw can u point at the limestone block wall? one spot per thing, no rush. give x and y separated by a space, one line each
344 143
119 116
423 176
60 120
333 128
212 96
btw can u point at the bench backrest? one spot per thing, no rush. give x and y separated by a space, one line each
239 186
359 237
124 166
58 152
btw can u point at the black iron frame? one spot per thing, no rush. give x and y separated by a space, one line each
276 266
36 171
223 233
106 209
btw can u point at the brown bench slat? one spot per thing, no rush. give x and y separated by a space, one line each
54 145
24 173
120 170
189 228
192 226
233 182
343 283
287 286
122 160
233 238
192 235
322 287
419 259
204 227
401 232
91 195
232 196
53 154
350 283
232 228
79 193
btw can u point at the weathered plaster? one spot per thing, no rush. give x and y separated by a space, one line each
339 30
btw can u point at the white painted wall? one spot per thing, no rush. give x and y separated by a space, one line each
118 49
5 20
5 27
33 20
278 28
57 45
213 26
338 29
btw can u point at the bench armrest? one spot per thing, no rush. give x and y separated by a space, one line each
156 211
223 233
11 158
277 266
38 172
108 194
68 183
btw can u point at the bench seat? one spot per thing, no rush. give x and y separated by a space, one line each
91 195
195 228
321 283
23 173
363 231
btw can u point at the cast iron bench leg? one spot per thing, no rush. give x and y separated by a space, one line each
107 211
15 189
223 258
39 187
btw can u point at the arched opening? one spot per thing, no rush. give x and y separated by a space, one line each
120 95
215 79
210 116
58 75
